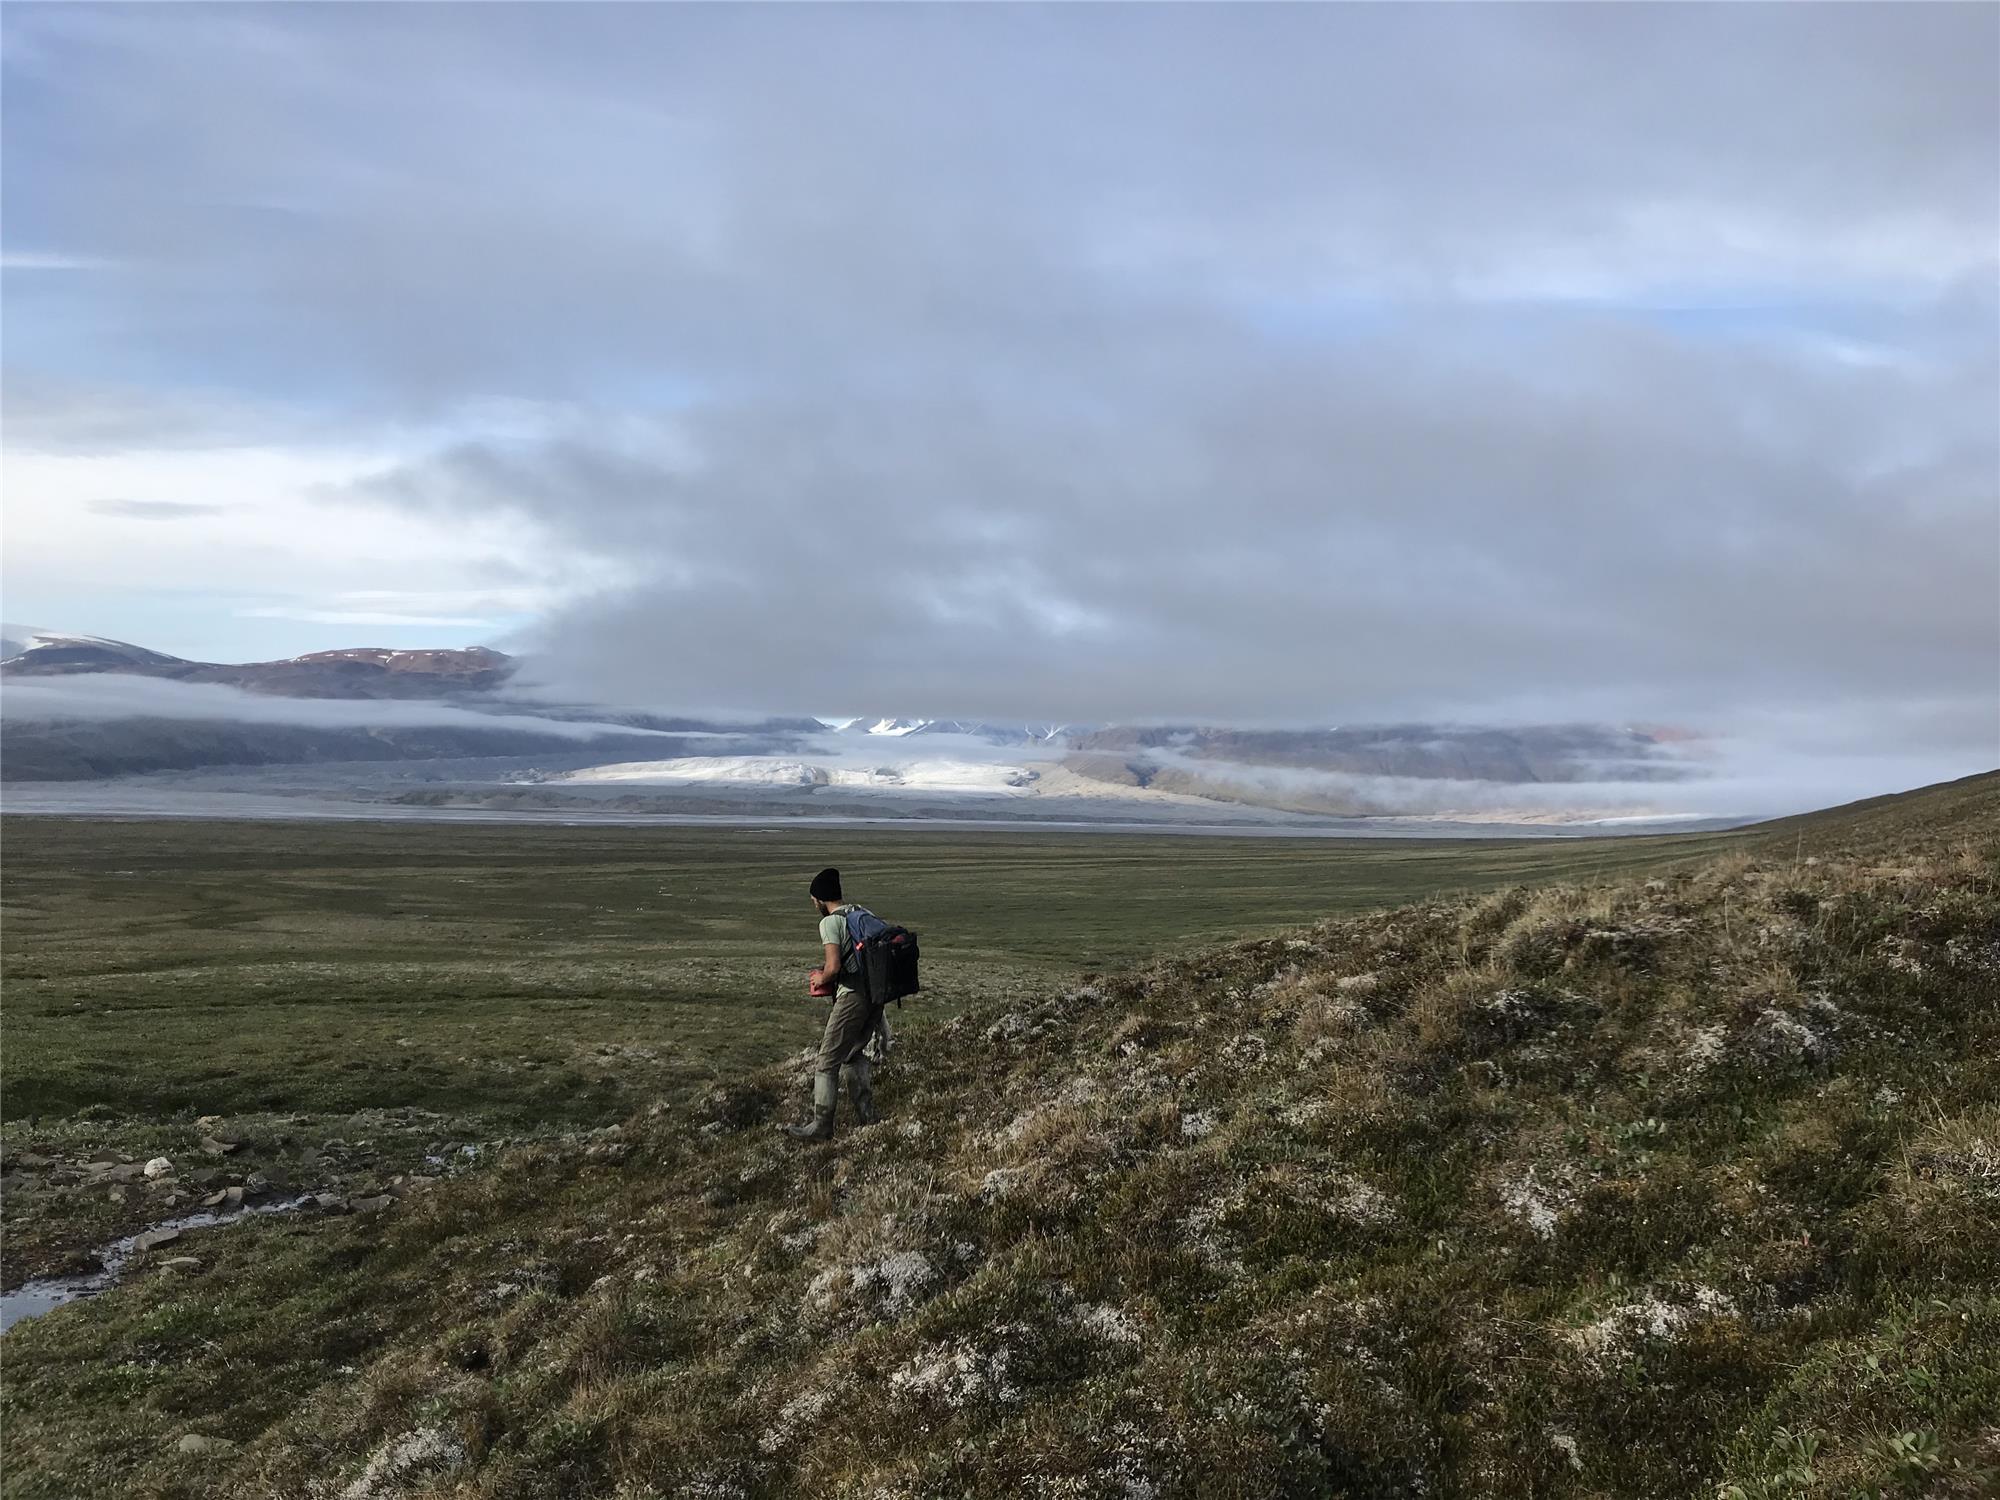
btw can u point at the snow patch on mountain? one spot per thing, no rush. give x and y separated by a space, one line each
17 641
783 771
966 729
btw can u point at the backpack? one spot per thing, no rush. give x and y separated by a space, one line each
884 956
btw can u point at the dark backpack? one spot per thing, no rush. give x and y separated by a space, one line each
883 956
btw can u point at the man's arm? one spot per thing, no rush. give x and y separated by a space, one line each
830 967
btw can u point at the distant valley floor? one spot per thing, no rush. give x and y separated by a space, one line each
509 789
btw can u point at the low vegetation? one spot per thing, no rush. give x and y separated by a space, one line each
1680 1183
345 1005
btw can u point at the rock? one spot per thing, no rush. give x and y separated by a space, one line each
181 1263
107 1156
152 1239
158 1167
232 1197
215 1147
256 1183
33 1161
373 1205
213 1200
195 1443
330 1203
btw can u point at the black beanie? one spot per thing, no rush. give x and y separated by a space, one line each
826 885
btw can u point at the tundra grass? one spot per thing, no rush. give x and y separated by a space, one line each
156 967
352 999
1632 1184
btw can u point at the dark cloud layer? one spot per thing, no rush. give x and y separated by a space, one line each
1256 363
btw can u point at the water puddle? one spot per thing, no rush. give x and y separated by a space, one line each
33 1298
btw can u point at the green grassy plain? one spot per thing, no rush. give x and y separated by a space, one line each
163 967
404 987
1621 1167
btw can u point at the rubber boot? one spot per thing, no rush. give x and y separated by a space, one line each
825 1098
860 1076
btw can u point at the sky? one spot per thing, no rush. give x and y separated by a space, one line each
1246 364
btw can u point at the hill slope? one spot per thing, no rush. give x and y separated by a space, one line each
359 672
1628 1189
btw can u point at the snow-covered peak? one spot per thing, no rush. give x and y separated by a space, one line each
19 641
996 734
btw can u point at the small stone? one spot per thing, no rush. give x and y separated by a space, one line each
215 1147
152 1239
232 1197
195 1443
33 1161
330 1203
213 1200
256 1183
158 1167
373 1205
181 1263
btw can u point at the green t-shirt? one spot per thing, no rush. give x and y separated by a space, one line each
833 929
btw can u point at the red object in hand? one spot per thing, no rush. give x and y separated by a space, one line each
818 985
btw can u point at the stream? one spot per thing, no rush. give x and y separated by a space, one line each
33 1298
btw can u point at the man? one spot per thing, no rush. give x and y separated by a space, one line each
843 1045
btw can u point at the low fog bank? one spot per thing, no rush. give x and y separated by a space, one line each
1733 779
105 697
103 725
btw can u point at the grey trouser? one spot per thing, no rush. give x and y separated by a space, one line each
847 1031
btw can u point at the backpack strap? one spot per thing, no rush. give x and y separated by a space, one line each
849 945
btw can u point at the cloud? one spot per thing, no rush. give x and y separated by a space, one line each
154 510
1554 505
1732 778
33 260
1272 364
367 617
107 696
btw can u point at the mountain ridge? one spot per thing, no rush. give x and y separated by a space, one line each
350 672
